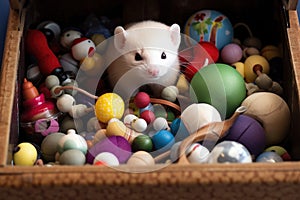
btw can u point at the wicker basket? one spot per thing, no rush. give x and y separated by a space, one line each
233 181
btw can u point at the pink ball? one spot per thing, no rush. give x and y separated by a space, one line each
231 53
148 116
142 99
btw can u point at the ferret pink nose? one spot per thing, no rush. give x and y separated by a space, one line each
153 71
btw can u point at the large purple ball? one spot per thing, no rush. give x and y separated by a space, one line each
248 132
116 145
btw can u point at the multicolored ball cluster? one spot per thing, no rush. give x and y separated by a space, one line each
220 73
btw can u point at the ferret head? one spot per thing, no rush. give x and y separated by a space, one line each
151 48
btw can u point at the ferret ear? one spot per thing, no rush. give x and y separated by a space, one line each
175 34
120 37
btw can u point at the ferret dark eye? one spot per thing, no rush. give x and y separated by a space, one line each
163 55
138 57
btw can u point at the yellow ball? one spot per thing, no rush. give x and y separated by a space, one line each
108 106
250 63
25 154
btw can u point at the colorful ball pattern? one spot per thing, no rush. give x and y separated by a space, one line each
211 26
219 85
108 106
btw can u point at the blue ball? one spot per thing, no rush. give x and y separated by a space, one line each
179 130
163 140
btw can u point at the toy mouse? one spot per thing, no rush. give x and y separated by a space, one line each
144 53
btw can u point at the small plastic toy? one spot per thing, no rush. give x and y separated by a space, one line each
37 111
37 46
68 36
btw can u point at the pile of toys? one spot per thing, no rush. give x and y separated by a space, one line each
227 105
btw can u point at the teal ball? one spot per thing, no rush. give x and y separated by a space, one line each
142 143
163 140
219 85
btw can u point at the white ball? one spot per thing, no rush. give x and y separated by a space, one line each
128 119
107 159
139 125
141 158
160 123
65 103
198 115
197 153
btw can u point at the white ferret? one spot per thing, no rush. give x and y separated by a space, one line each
145 53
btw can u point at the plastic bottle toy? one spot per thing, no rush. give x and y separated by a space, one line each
37 109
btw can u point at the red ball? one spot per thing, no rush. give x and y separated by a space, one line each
142 100
148 116
211 49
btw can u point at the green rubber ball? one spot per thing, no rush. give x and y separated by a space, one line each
142 143
219 85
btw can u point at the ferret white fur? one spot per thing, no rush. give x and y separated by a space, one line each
145 53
